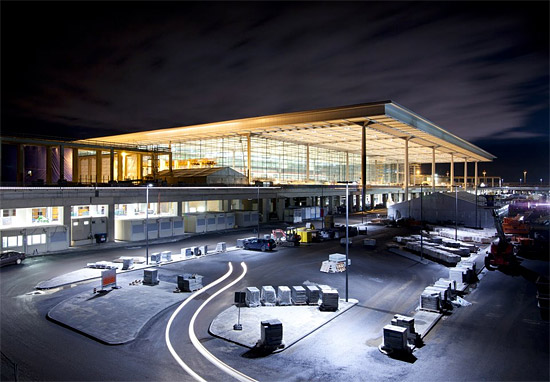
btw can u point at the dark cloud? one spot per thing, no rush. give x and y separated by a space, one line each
479 71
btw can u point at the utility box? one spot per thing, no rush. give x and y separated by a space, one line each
150 276
195 223
272 333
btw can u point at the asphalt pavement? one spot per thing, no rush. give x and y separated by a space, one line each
501 336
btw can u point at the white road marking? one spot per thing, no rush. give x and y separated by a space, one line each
209 356
167 332
222 366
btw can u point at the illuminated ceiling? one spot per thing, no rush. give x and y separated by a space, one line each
388 125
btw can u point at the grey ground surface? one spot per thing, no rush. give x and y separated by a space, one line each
501 336
117 315
297 322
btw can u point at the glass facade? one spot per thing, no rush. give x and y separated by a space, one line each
283 162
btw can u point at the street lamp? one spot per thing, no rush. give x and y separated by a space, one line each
421 240
147 223
524 176
484 176
258 185
347 236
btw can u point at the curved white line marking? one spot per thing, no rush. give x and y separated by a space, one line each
209 356
167 332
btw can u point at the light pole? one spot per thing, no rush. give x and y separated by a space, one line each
147 224
258 211
347 237
421 240
484 176
524 176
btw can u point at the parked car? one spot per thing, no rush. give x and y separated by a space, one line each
11 257
260 244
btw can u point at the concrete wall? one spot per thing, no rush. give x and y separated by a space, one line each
437 208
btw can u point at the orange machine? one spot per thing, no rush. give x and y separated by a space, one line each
515 226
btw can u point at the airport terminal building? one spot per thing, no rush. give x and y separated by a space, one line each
220 175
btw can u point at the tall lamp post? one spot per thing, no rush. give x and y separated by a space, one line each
421 240
524 176
147 224
258 211
347 236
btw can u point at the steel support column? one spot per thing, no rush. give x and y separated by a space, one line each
61 162
112 165
249 158
49 165
406 170
475 176
98 166
452 171
433 169
465 174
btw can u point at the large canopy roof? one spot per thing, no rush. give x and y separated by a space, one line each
388 125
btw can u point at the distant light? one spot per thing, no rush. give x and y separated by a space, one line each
482 184
150 185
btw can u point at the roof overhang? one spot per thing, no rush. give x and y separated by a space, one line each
387 126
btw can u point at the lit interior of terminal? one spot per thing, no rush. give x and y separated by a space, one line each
377 147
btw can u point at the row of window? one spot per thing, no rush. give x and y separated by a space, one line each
17 241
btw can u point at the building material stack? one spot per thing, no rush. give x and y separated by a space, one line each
166 256
429 300
252 298
268 296
283 296
272 333
150 276
407 322
395 339
329 300
298 294
312 294
189 282
221 247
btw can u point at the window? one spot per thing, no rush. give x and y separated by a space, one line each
12 241
36 239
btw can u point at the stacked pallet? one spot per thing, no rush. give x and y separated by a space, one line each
188 282
298 295
166 256
429 300
406 322
283 295
328 266
329 301
272 333
312 294
150 276
252 298
268 296
434 252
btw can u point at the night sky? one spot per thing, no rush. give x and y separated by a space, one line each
479 70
